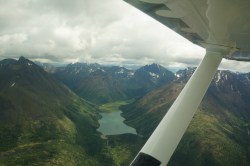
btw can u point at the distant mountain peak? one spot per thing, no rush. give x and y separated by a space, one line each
156 68
22 58
25 61
155 64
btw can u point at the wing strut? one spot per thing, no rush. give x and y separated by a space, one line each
164 140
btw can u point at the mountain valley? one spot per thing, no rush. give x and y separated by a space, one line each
51 117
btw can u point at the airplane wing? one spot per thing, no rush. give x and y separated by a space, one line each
222 27
208 23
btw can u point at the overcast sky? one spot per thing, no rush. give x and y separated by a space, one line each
101 31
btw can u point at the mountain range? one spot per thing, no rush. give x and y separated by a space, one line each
219 132
49 115
102 84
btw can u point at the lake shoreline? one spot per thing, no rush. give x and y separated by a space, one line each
112 123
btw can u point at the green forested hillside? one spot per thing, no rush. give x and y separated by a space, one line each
218 133
42 122
101 88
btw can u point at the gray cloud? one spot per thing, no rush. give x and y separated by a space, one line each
110 32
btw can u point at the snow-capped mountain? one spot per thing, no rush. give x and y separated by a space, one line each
85 79
232 88
152 76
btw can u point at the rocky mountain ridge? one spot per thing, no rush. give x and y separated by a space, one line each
101 84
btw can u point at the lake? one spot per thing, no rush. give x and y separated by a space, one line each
111 123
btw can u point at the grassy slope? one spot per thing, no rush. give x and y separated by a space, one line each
113 106
58 139
209 141
123 148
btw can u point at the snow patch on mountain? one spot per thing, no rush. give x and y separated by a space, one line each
218 77
177 75
13 84
247 78
130 74
154 75
120 72
91 70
